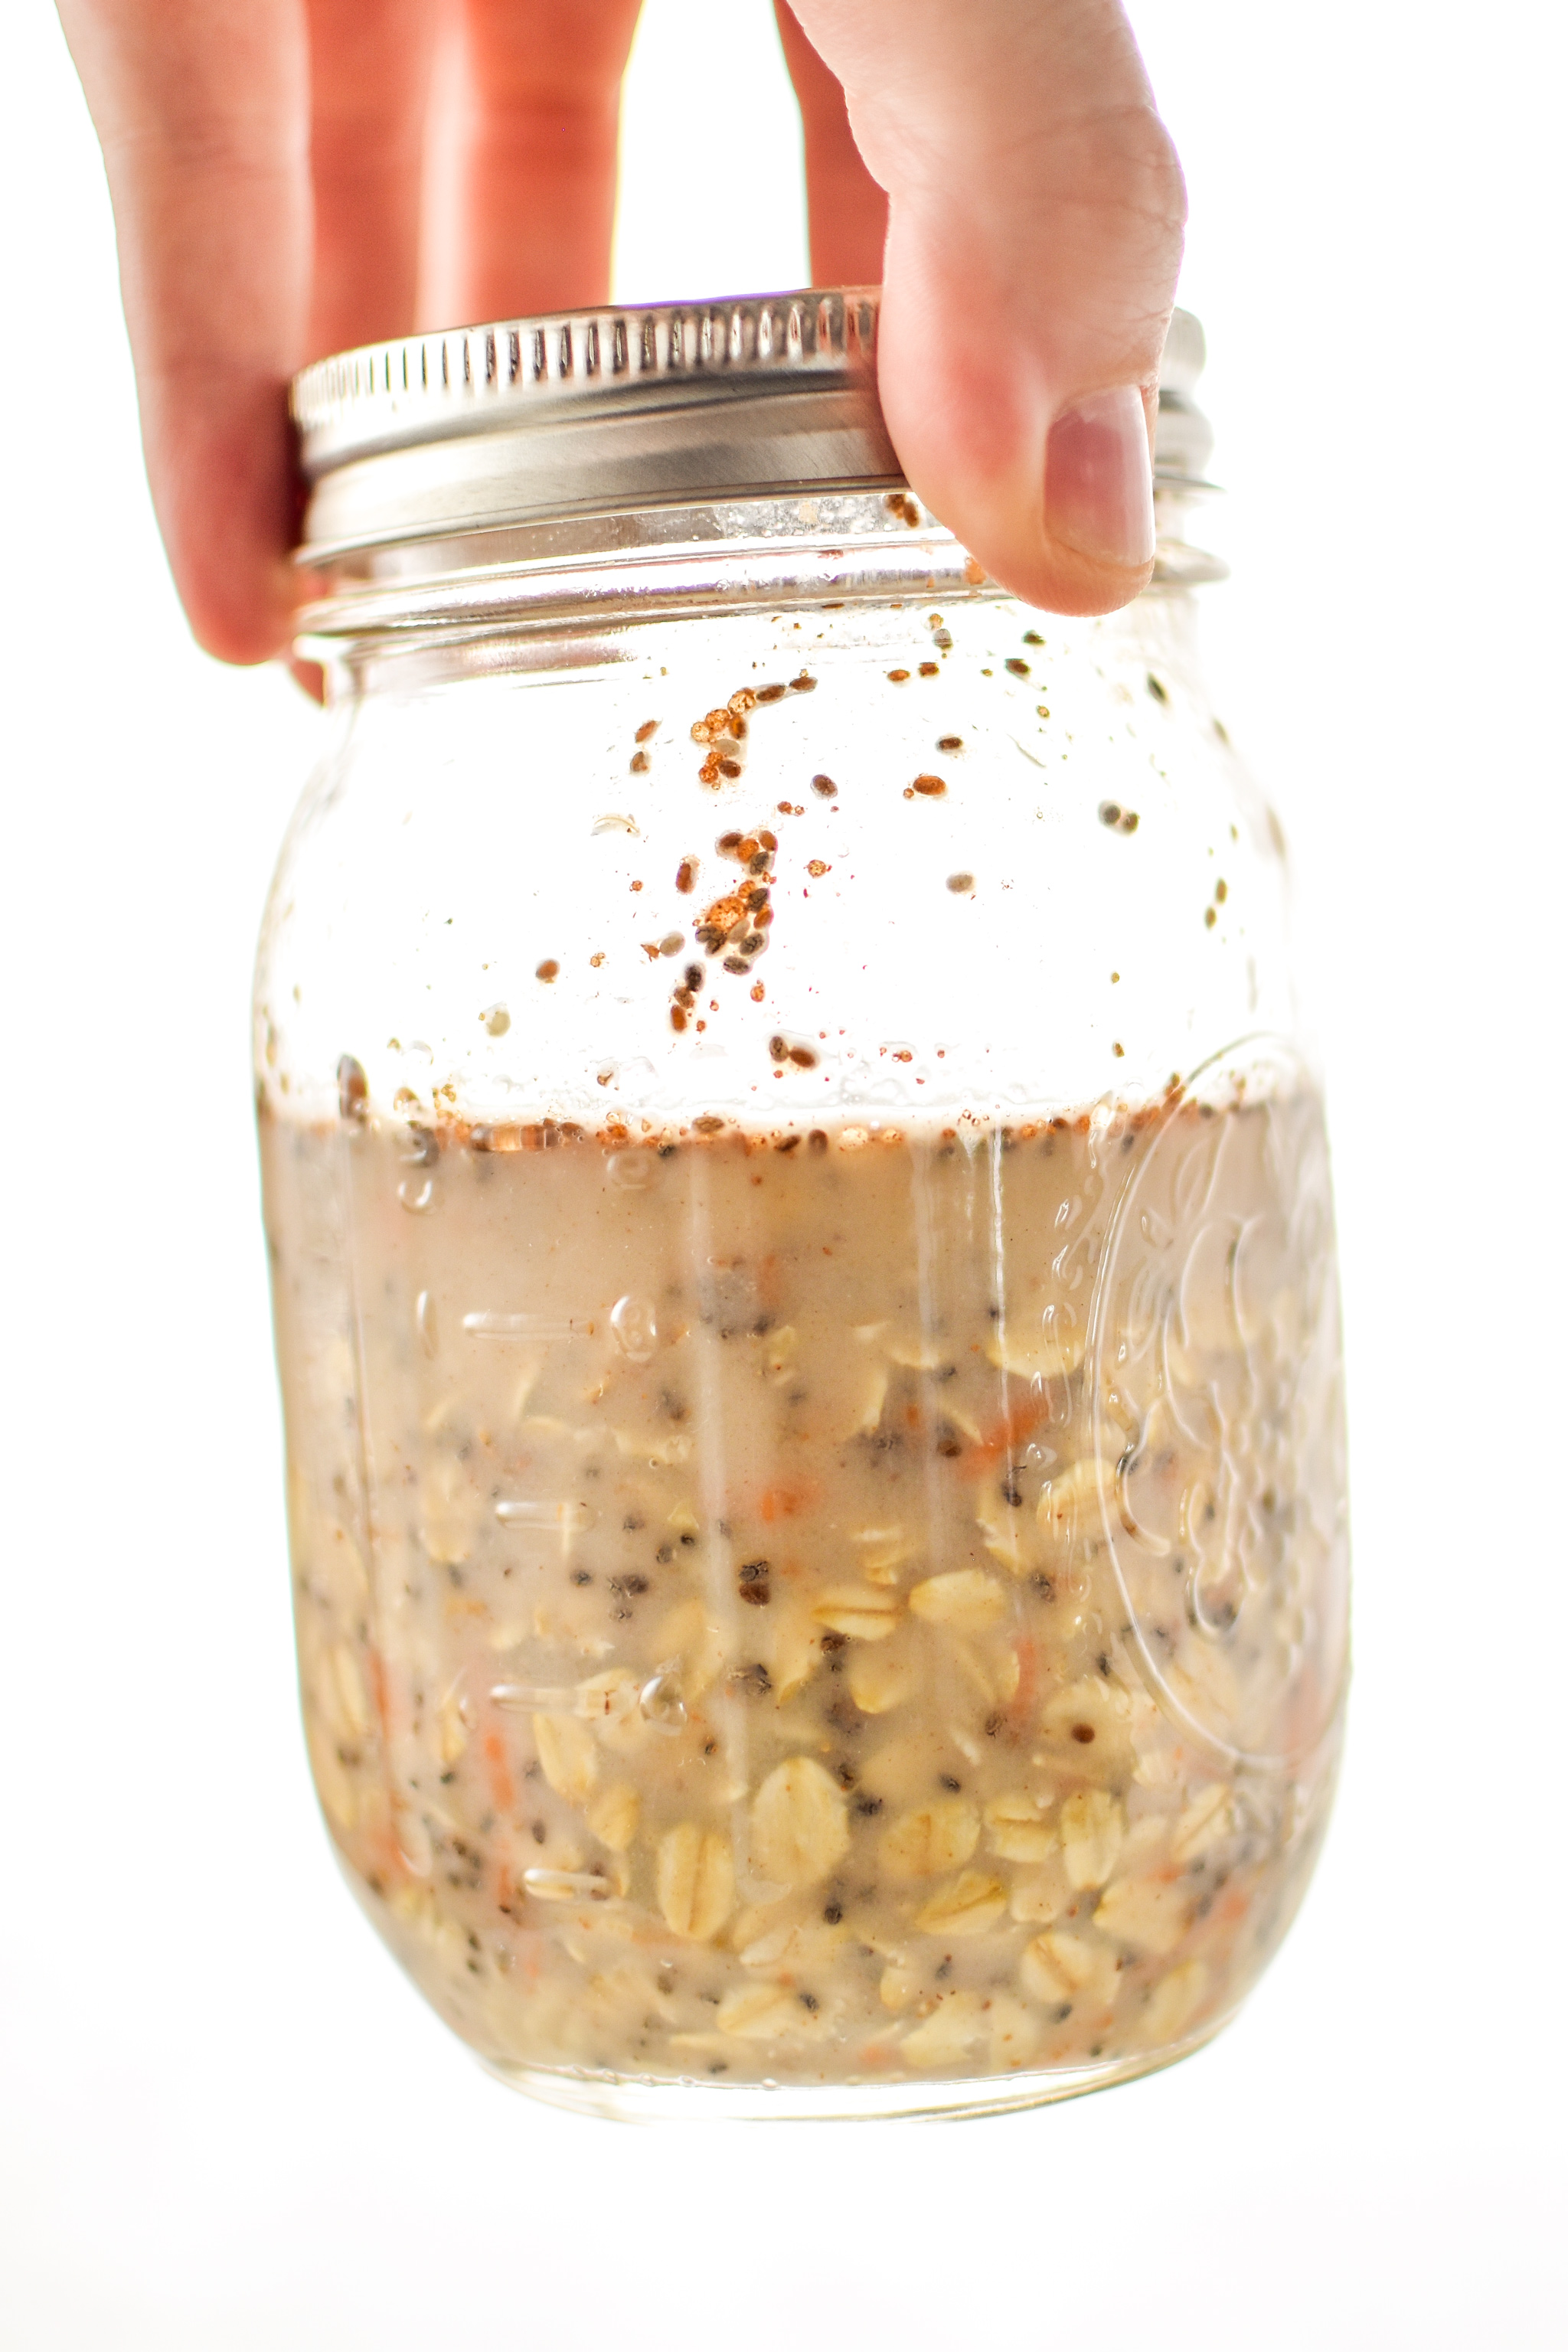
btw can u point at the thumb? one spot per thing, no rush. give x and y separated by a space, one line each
1036 210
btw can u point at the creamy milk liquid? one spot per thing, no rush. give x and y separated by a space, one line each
819 1608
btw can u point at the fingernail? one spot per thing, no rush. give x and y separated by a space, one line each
1099 492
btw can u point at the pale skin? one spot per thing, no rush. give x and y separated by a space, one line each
999 166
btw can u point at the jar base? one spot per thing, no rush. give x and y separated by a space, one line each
621 2098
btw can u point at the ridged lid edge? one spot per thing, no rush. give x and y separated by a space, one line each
475 378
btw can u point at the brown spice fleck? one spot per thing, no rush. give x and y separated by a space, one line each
676 1017
1019 668
949 743
825 786
639 764
596 960
1221 892
931 788
686 875
961 882
803 684
731 768
758 991
930 669
803 1057
818 867
547 970
1210 917
897 677
649 727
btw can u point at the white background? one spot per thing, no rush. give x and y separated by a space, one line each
225 2121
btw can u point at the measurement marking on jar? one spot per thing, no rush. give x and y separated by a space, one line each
483 1325
519 1511
567 1886
536 1698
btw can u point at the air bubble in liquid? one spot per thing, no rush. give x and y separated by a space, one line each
417 1194
660 1701
635 1330
630 1171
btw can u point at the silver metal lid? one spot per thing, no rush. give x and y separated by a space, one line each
593 411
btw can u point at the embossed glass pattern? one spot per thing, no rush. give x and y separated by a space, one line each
804 1271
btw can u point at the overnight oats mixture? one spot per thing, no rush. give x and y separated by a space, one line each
851 1604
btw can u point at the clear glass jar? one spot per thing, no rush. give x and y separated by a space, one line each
801 1245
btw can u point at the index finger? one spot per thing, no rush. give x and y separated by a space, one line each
1034 232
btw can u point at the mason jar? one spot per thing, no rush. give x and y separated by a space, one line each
802 1246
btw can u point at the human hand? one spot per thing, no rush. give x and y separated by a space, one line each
266 161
